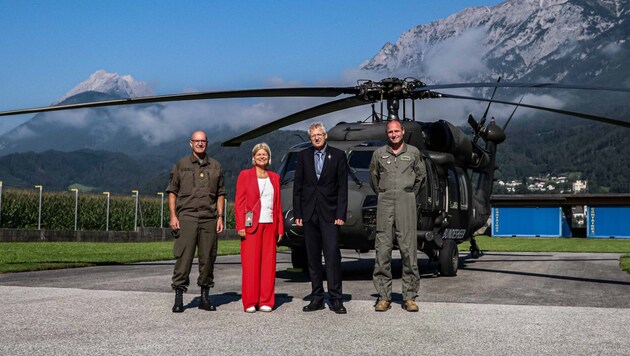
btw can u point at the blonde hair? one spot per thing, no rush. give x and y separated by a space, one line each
258 147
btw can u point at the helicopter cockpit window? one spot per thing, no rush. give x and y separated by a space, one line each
453 190
287 168
359 161
463 191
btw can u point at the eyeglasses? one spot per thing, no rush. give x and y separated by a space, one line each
199 142
317 135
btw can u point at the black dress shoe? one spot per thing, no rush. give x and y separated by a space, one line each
338 307
314 305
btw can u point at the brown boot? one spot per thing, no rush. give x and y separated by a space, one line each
410 306
383 305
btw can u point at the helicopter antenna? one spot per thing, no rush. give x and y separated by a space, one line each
478 127
485 114
511 115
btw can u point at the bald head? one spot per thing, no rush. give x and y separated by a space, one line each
395 133
198 143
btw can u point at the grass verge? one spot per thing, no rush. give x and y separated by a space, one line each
33 256
542 244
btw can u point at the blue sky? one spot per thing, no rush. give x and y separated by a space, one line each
50 46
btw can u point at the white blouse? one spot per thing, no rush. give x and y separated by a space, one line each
266 200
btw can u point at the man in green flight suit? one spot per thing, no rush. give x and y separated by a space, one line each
196 198
397 173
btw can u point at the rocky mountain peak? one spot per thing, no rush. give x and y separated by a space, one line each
123 86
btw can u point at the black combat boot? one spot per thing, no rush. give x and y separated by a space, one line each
204 302
178 307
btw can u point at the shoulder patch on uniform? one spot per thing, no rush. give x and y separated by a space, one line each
405 158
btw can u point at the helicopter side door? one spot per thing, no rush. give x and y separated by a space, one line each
458 204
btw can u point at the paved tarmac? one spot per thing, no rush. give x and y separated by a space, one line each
501 303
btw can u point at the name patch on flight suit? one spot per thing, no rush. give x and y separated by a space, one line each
405 158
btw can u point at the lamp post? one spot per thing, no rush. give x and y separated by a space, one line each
107 212
39 209
135 220
161 194
76 206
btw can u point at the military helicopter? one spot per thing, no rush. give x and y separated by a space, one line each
455 200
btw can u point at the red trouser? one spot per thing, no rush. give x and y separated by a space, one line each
258 260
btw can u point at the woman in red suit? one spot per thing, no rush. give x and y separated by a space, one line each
258 214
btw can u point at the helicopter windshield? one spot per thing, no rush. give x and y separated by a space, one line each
360 162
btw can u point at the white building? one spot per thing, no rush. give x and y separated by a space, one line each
580 186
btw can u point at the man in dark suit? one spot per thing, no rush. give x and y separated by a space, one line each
320 202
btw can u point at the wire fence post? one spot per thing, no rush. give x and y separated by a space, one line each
76 206
39 209
135 220
161 194
107 212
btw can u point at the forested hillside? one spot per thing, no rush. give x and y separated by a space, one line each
99 171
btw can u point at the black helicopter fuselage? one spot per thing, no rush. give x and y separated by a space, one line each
450 209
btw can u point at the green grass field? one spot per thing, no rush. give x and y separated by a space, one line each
32 256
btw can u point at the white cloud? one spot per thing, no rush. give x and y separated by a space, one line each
457 58
611 49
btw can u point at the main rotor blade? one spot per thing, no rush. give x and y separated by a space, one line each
249 93
557 111
521 85
310 113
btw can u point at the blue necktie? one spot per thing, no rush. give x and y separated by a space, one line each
319 163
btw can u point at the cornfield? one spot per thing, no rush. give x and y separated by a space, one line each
20 210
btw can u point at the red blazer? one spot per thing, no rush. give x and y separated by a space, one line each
247 197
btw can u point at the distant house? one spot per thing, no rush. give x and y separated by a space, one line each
580 186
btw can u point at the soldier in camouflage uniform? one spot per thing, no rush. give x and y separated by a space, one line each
196 197
397 173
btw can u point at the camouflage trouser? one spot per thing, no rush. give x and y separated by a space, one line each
396 211
191 236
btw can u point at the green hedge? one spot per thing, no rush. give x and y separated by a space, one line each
20 211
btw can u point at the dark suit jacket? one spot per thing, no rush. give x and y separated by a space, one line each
329 194
248 199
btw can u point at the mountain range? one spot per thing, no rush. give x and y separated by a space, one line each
573 42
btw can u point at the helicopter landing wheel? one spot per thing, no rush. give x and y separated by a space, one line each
449 259
298 258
